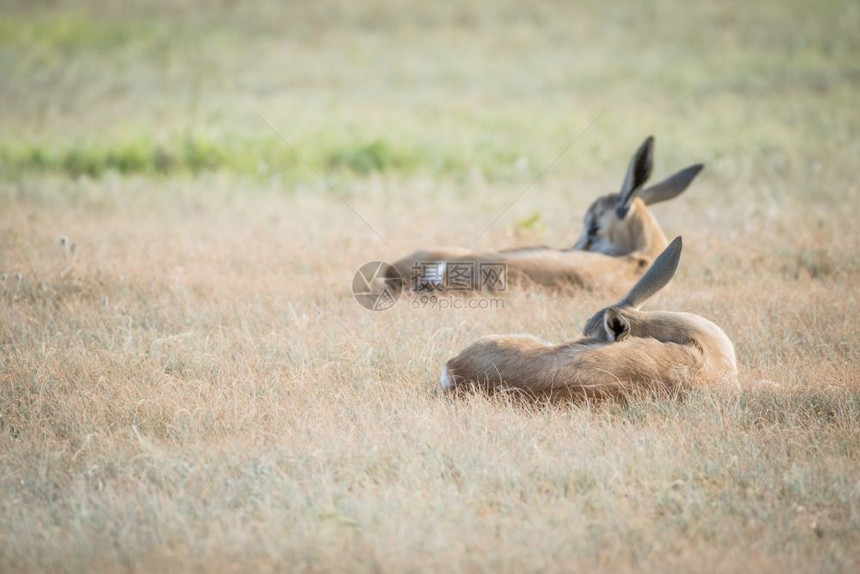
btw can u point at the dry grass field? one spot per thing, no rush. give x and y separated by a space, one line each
186 382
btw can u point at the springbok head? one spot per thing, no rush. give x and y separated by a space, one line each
620 223
619 321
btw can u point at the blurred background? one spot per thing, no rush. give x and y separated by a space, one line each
460 90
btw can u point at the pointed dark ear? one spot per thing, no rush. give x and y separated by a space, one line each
657 276
672 186
638 173
617 326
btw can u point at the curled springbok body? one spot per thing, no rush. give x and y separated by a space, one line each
621 237
623 350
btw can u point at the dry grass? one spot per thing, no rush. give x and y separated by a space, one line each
193 387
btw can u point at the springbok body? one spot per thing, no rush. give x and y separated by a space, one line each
620 239
622 350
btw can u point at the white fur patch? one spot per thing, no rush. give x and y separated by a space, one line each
445 379
436 277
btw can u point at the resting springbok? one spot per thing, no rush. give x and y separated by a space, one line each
621 238
622 350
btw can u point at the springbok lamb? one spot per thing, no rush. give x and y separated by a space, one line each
623 350
620 239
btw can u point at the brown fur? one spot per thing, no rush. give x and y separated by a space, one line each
543 266
576 370
623 350
621 238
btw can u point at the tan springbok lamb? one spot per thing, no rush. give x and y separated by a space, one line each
620 239
623 350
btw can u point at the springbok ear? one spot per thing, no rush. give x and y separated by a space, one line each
638 173
657 276
616 325
672 186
